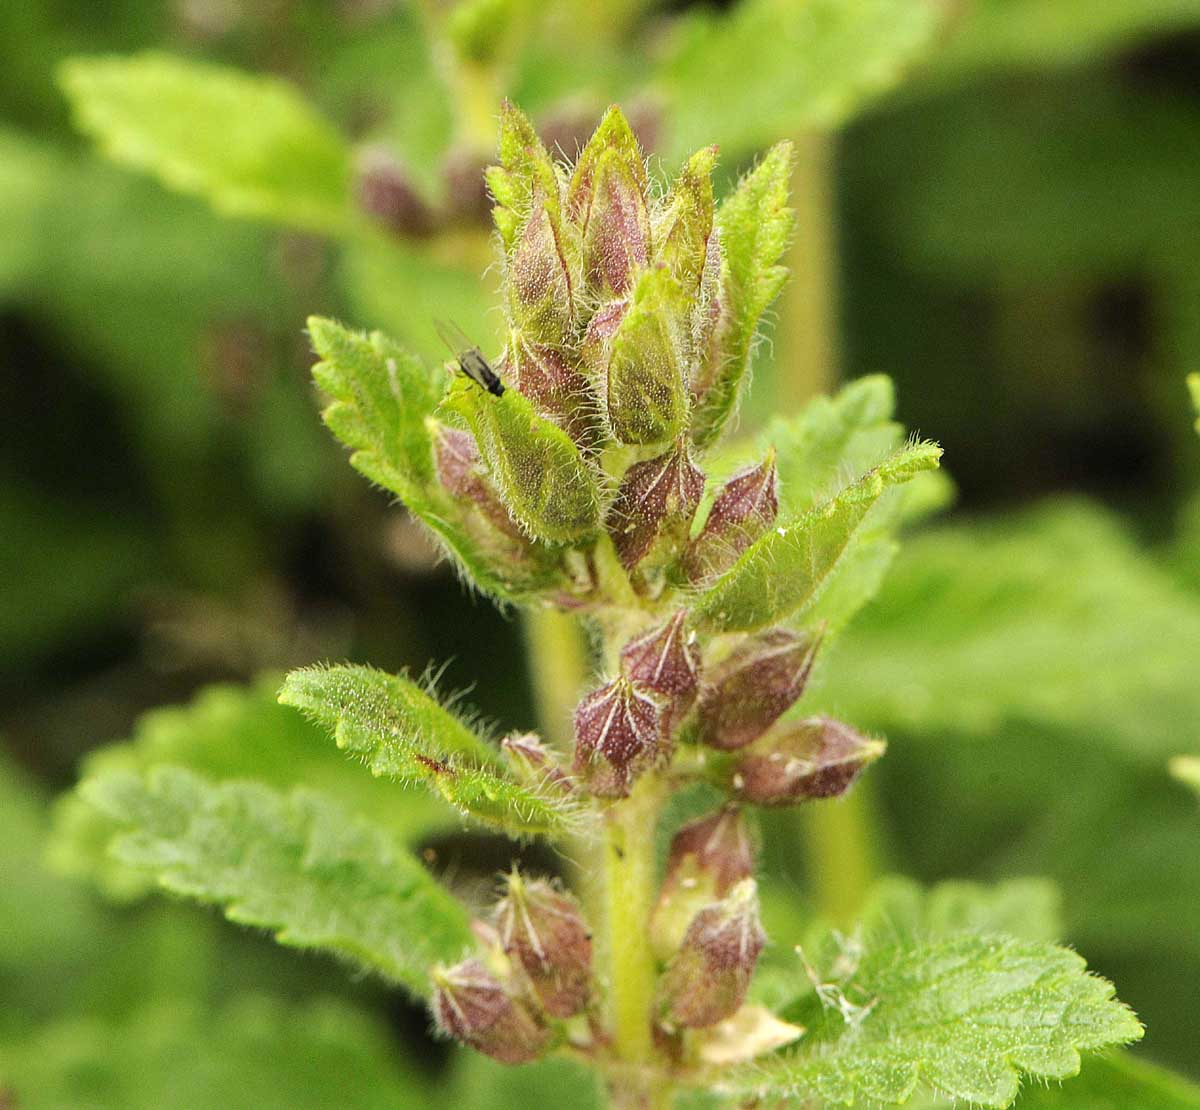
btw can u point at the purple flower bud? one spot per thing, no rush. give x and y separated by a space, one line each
665 661
533 761
744 509
655 504
384 191
708 978
539 282
558 390
460 470
707 858
472 1006
543 931
751 689
804 760
606 198
619 731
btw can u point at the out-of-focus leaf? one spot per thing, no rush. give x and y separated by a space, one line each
254 1052
1186 768
1193 382
1052 618
229 732
29 174
401 732
1003 33
797 65
249 144
964 1015
1069 176
483 1084
295 863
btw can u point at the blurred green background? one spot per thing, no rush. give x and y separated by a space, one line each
999 206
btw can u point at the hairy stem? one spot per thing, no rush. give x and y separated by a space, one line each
625 961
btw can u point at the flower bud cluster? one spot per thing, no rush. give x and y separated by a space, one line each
539 974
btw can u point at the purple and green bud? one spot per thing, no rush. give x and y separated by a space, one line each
743 510
802 761
666 661
471 1005
751 689
385 192
619 732
555 386
540 292
542 930
654 507
644 365
707 979
607 200
683 232
525 169
707 859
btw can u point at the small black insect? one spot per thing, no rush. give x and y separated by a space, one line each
470 358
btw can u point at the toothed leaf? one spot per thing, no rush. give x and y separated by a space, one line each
295 863
401 732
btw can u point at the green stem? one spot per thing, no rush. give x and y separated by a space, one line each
838 836
624 959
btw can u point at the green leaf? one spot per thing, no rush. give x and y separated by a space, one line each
255 1051
1029 909
830 437
228 732
248 144
1050 618
403 733
1193 383
295 863
546 484
755 225
383 403
382 399
785 570
797 65
963 1014
1118 1082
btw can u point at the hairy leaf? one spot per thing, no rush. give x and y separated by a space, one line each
755 224
255 1051
1118 1082
784 571
400 731
798 65
547 486
228 732
295 863
248 144
964 1015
